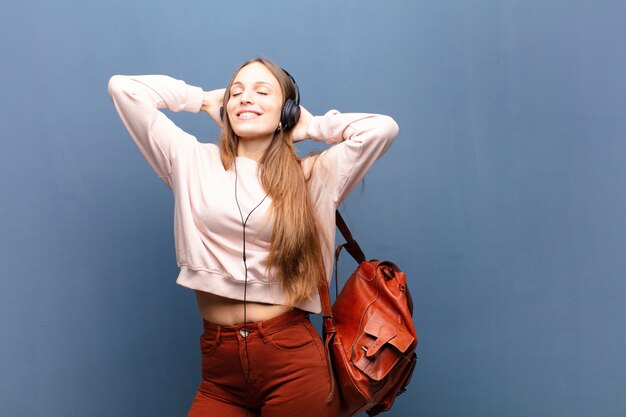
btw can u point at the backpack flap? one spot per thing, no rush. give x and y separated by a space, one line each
387 333
380 347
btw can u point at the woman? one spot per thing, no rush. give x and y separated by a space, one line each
254 227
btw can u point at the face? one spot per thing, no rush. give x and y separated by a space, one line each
255 102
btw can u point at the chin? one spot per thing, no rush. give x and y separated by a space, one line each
252 133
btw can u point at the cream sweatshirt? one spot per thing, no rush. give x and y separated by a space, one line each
207 223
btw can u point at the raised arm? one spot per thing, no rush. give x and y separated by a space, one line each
357 139
139 99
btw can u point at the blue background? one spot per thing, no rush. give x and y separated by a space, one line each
503 198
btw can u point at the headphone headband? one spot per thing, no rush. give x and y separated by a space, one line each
295 87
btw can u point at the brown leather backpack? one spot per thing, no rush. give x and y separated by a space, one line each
369 333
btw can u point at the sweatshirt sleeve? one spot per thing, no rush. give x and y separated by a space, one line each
139 101
357 139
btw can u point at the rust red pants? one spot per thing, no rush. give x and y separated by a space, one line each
283 373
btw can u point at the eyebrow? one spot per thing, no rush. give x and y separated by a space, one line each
256 83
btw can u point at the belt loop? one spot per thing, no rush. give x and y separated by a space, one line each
217 336
261 331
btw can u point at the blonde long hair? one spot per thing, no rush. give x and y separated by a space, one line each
295 256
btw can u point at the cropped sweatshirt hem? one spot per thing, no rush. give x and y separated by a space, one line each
217 283
208 198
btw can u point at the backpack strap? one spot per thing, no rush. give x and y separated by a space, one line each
351 245
356 252
329 328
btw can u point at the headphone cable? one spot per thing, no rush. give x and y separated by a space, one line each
245 287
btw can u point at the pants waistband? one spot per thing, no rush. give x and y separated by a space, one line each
275 324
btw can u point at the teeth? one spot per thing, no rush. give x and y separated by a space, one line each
248 115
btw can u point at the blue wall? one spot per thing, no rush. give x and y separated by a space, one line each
503 197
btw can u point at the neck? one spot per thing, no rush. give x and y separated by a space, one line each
253 148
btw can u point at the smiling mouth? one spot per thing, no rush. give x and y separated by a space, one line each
247 115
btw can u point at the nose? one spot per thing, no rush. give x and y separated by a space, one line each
245 97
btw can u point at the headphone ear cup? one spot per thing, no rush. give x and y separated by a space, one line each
290 114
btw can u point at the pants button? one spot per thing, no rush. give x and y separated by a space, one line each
244 332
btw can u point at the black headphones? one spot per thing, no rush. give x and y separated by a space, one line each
290 113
